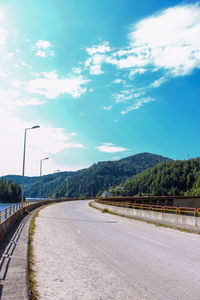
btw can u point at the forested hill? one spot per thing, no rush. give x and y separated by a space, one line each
103 175
168 178
32 184
9 192
88 182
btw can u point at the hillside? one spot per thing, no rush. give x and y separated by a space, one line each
9 192
168 178
88 182
32 184
103 175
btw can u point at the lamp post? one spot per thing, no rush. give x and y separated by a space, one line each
24 154
41 175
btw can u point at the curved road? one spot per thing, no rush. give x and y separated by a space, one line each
83 254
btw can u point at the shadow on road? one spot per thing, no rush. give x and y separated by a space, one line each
7 248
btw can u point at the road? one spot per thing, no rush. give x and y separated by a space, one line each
84 254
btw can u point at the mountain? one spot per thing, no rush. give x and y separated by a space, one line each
103 175
167 178
88 182
32 184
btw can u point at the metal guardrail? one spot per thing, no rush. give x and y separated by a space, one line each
164 209
9 211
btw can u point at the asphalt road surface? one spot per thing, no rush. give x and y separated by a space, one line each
84 254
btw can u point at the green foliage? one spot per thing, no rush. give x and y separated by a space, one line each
9 192
32 184
168 178
103 175
99 193
87 182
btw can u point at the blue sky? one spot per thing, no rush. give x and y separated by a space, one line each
103 79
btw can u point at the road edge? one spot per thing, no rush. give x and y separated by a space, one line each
31 281
106 210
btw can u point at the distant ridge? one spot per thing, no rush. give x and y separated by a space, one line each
89 181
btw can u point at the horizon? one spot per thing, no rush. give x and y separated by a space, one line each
103 80
64 171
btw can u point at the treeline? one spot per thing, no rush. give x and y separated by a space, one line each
9 192
104 175
32 184
168 178
87 182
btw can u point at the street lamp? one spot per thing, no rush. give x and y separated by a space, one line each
34 127
41 175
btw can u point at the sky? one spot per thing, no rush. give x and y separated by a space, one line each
103 79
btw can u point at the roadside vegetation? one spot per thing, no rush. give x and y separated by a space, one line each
33 295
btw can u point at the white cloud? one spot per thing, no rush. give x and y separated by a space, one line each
108 107
50 75
52 87
43 44
118 80
132 61
76 70
167 41
110 148
94 64
135 71
158 82
102 48
137 104
22 102
43 49
95 70
41 53
24 64
12 99
127 95
10 54
170 39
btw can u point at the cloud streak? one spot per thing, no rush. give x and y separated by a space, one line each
168 40
110 148
51 86
166 43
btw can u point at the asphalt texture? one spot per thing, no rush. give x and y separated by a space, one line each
84 254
